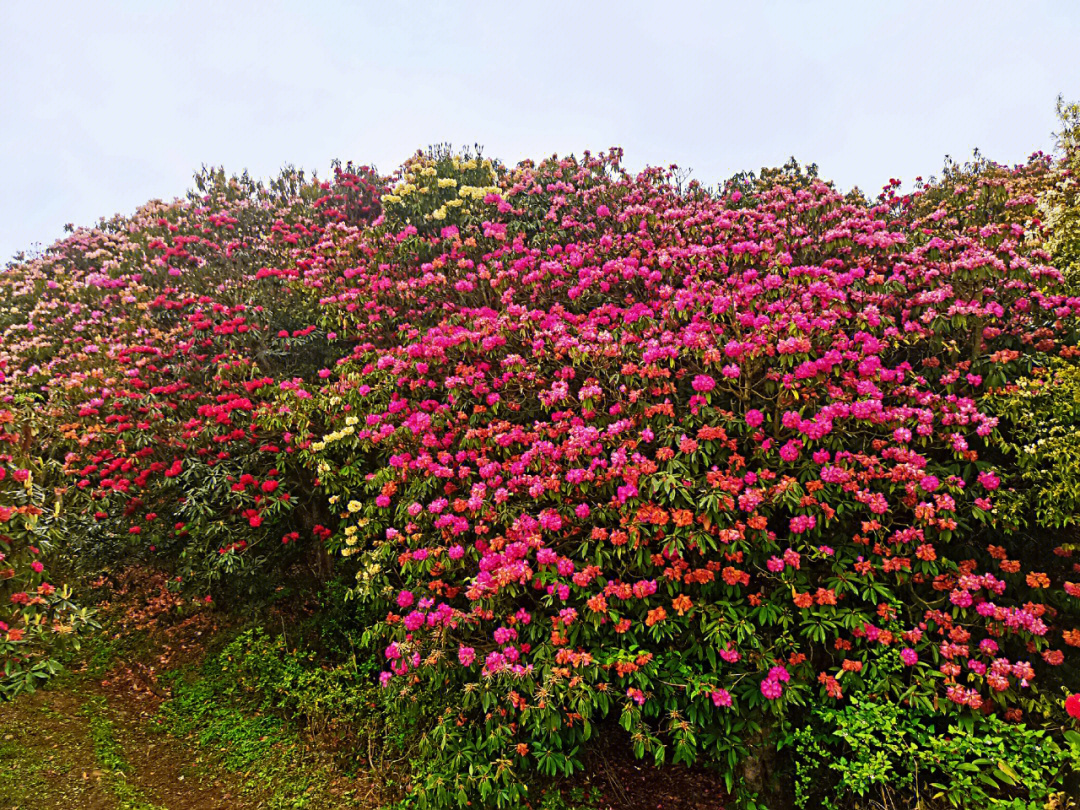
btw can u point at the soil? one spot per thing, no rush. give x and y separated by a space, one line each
626 783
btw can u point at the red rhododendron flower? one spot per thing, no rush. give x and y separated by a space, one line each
1072 706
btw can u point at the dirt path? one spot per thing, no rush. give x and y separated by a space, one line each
80 747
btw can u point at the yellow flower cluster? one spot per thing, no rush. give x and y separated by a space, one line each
477 192
413 182
472 164
350 534
337 435
366 575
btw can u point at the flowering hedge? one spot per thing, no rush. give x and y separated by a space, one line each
595 446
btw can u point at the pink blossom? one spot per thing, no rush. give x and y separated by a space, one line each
703 383
771 688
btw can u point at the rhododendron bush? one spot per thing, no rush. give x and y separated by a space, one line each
152 343
596 447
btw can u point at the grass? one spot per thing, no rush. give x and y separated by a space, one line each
149 715
72 746
17 774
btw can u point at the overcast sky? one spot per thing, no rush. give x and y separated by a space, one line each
106 105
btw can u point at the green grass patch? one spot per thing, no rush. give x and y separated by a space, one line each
102 733
110 755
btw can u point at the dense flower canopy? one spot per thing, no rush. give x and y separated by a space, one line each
592 443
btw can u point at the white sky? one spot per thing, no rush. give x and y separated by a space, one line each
106 105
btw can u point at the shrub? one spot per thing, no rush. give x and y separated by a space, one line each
866 754
150 344
331 698
1042 413
1060 204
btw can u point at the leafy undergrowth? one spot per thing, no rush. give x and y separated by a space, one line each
266 752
